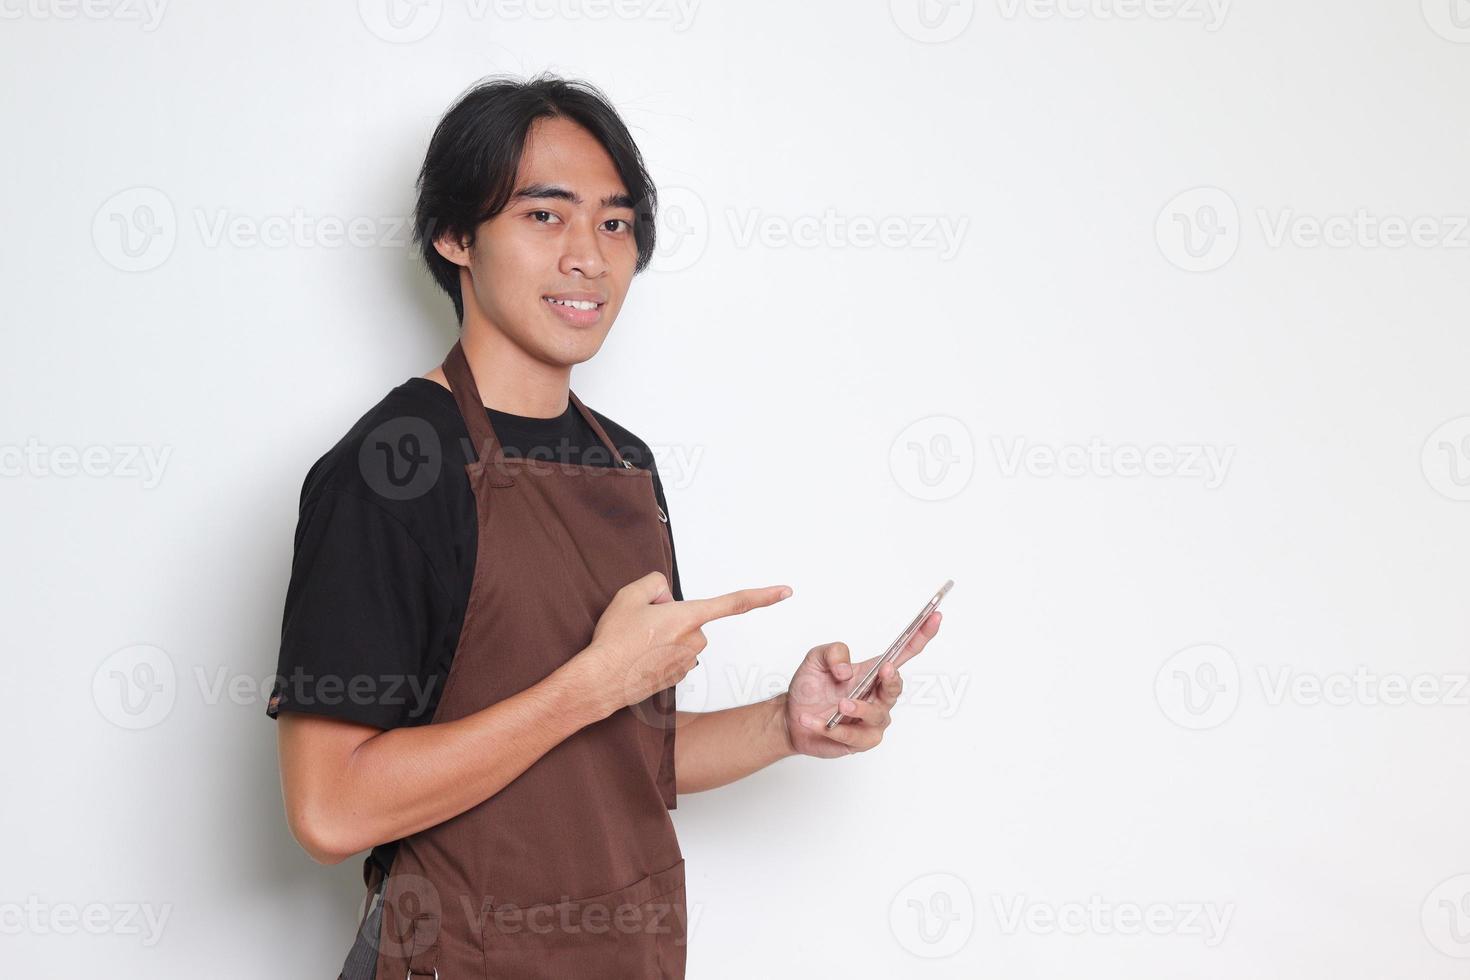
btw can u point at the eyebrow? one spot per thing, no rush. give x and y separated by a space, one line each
535 191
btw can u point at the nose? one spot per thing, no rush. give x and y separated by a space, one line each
583 252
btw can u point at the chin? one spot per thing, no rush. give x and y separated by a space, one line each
574 352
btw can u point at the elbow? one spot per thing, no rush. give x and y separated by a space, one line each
323 855
323 809
320 836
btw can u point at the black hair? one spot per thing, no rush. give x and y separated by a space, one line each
470 168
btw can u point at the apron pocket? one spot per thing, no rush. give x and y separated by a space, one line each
638 931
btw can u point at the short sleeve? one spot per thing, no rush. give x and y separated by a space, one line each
359 612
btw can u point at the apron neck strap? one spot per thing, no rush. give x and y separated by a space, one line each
486 445
597 428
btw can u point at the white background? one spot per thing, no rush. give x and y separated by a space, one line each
1118 717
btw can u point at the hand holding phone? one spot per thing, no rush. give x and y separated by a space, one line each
865 684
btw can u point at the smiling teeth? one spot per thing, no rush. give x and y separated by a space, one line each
576 304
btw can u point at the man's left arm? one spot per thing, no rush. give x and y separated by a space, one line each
712 748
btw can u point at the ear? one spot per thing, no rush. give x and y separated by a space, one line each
453 248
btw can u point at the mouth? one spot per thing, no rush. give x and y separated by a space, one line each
578 311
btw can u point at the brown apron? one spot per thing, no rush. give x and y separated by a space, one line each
573 869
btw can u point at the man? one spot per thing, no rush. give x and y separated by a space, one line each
484 622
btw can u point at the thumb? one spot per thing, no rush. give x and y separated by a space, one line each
652 588
835 658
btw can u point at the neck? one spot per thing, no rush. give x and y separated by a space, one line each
509 379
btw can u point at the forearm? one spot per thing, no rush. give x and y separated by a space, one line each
407 779
712 748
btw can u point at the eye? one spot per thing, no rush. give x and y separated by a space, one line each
627 225
533 214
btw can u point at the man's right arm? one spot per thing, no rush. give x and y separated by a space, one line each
348 786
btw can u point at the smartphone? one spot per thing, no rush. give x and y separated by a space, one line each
866 684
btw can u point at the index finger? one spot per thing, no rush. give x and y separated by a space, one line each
926 631
735 603
916 643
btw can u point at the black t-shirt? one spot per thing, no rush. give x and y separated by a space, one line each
385 552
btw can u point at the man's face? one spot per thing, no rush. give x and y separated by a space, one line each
567 232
